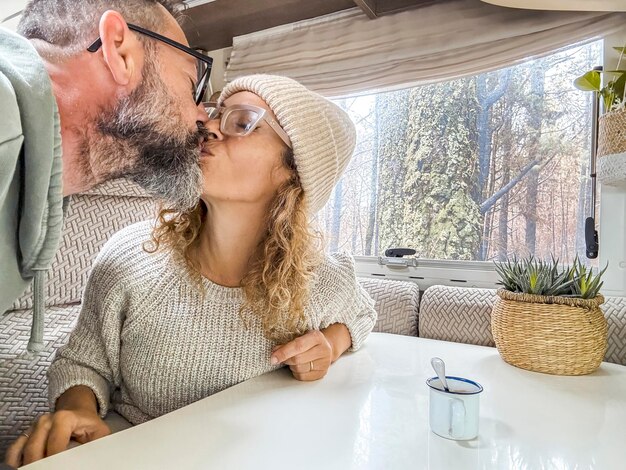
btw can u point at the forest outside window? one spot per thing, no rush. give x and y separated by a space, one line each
478 168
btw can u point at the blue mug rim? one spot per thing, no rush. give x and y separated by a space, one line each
460 379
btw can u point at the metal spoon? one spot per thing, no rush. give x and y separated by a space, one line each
440 369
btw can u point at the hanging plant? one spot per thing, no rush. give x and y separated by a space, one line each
613 92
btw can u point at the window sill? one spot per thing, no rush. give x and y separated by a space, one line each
432 272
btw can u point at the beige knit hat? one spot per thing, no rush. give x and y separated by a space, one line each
322 135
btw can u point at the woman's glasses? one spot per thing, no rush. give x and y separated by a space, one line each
240 120
204 63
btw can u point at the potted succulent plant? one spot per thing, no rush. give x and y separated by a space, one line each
611 150
547 317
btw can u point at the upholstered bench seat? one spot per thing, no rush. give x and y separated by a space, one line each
23 382
396 303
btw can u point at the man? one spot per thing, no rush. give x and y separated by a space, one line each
90 91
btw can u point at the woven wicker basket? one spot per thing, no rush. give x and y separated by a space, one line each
612 133
611 164
553 335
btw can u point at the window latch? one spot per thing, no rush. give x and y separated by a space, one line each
395 257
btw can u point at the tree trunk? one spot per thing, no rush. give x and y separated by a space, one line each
531 211
373 206
392 142
485 130
532 182
356 228
486 100
503 215
335 227
503 228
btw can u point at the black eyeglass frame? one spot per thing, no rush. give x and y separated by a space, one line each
204 79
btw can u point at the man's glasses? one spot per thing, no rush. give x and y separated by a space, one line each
204 62
240 120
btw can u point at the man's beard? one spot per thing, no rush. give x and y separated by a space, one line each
144 138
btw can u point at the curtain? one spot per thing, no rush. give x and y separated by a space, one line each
347 53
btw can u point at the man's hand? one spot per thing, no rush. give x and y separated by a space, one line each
310 355
51 434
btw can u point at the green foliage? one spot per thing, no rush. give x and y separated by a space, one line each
586 285
613 92
533 276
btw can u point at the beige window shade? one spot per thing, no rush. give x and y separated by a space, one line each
348 53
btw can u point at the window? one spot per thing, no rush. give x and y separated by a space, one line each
477 168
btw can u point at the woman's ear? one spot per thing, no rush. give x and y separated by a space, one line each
123 53
280 173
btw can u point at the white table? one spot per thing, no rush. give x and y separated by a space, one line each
371 412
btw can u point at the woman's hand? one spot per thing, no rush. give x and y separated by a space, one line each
310 355
51 434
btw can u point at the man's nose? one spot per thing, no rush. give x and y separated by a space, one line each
202 115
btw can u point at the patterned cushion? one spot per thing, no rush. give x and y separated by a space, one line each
458 314
90 220
463 315
397 305
615 312
118 187
23 382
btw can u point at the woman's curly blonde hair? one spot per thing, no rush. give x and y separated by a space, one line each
276 288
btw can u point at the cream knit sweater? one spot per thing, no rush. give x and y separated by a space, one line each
146 342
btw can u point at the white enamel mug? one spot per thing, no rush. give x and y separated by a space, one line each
454 414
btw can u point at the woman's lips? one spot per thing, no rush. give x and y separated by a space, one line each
205 149
205 152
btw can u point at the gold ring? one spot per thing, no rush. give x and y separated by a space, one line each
311 365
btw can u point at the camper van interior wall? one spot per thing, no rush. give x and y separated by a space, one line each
547 318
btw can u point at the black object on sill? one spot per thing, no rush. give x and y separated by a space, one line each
399 252
591 238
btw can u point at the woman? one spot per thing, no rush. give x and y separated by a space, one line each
235 288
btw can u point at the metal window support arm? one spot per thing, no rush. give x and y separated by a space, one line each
591 234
